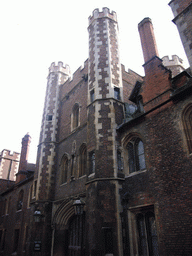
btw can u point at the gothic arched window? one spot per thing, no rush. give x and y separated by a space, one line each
187 123
136 155
64 169
82 160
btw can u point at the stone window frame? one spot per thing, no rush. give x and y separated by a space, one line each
92 162
133 229
75 117
2 242
64 169
16 239
92 95
132 138
8 205
119 160
187 126
82 160
117 93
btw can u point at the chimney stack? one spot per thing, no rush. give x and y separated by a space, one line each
21 175
148 41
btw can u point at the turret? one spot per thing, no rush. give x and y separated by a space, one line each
175 64
9 164
105 112
182 11
58 74
105 79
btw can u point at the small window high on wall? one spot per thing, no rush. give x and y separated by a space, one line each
75 116
117 93
92 162
136 155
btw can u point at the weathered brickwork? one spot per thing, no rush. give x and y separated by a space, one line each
166 181
129 80
47 150
12 219
114 156
178 6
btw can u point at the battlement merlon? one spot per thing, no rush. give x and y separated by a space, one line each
172 62
12 155
105 13
60 68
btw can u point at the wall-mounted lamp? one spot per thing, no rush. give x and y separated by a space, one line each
37 216
79 206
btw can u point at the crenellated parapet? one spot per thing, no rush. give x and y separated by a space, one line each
175 60
10 154
9 163
175 64
65 69
105 13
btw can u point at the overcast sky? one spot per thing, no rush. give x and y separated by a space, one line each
36 33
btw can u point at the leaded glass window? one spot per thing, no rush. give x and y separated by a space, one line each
136 155
147 233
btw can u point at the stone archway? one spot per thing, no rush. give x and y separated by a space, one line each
60 223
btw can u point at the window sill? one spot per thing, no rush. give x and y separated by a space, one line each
83 176
91 175
135 173
63 184
20 210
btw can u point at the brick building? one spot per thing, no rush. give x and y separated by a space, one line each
113 171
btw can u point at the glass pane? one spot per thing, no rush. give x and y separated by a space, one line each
141 162
153 235
142 235
131 157
140 155
119 161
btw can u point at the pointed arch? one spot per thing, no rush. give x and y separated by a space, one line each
134 154
63 214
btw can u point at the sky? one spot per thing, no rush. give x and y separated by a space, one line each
36 33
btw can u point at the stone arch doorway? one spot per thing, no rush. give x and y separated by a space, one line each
68 231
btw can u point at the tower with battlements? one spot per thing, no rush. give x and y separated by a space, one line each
113 172
58 74
182 11
9 164
105 112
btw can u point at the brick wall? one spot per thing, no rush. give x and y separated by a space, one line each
166 183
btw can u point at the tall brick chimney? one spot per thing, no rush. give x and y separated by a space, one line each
157 83
21 175
148 41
